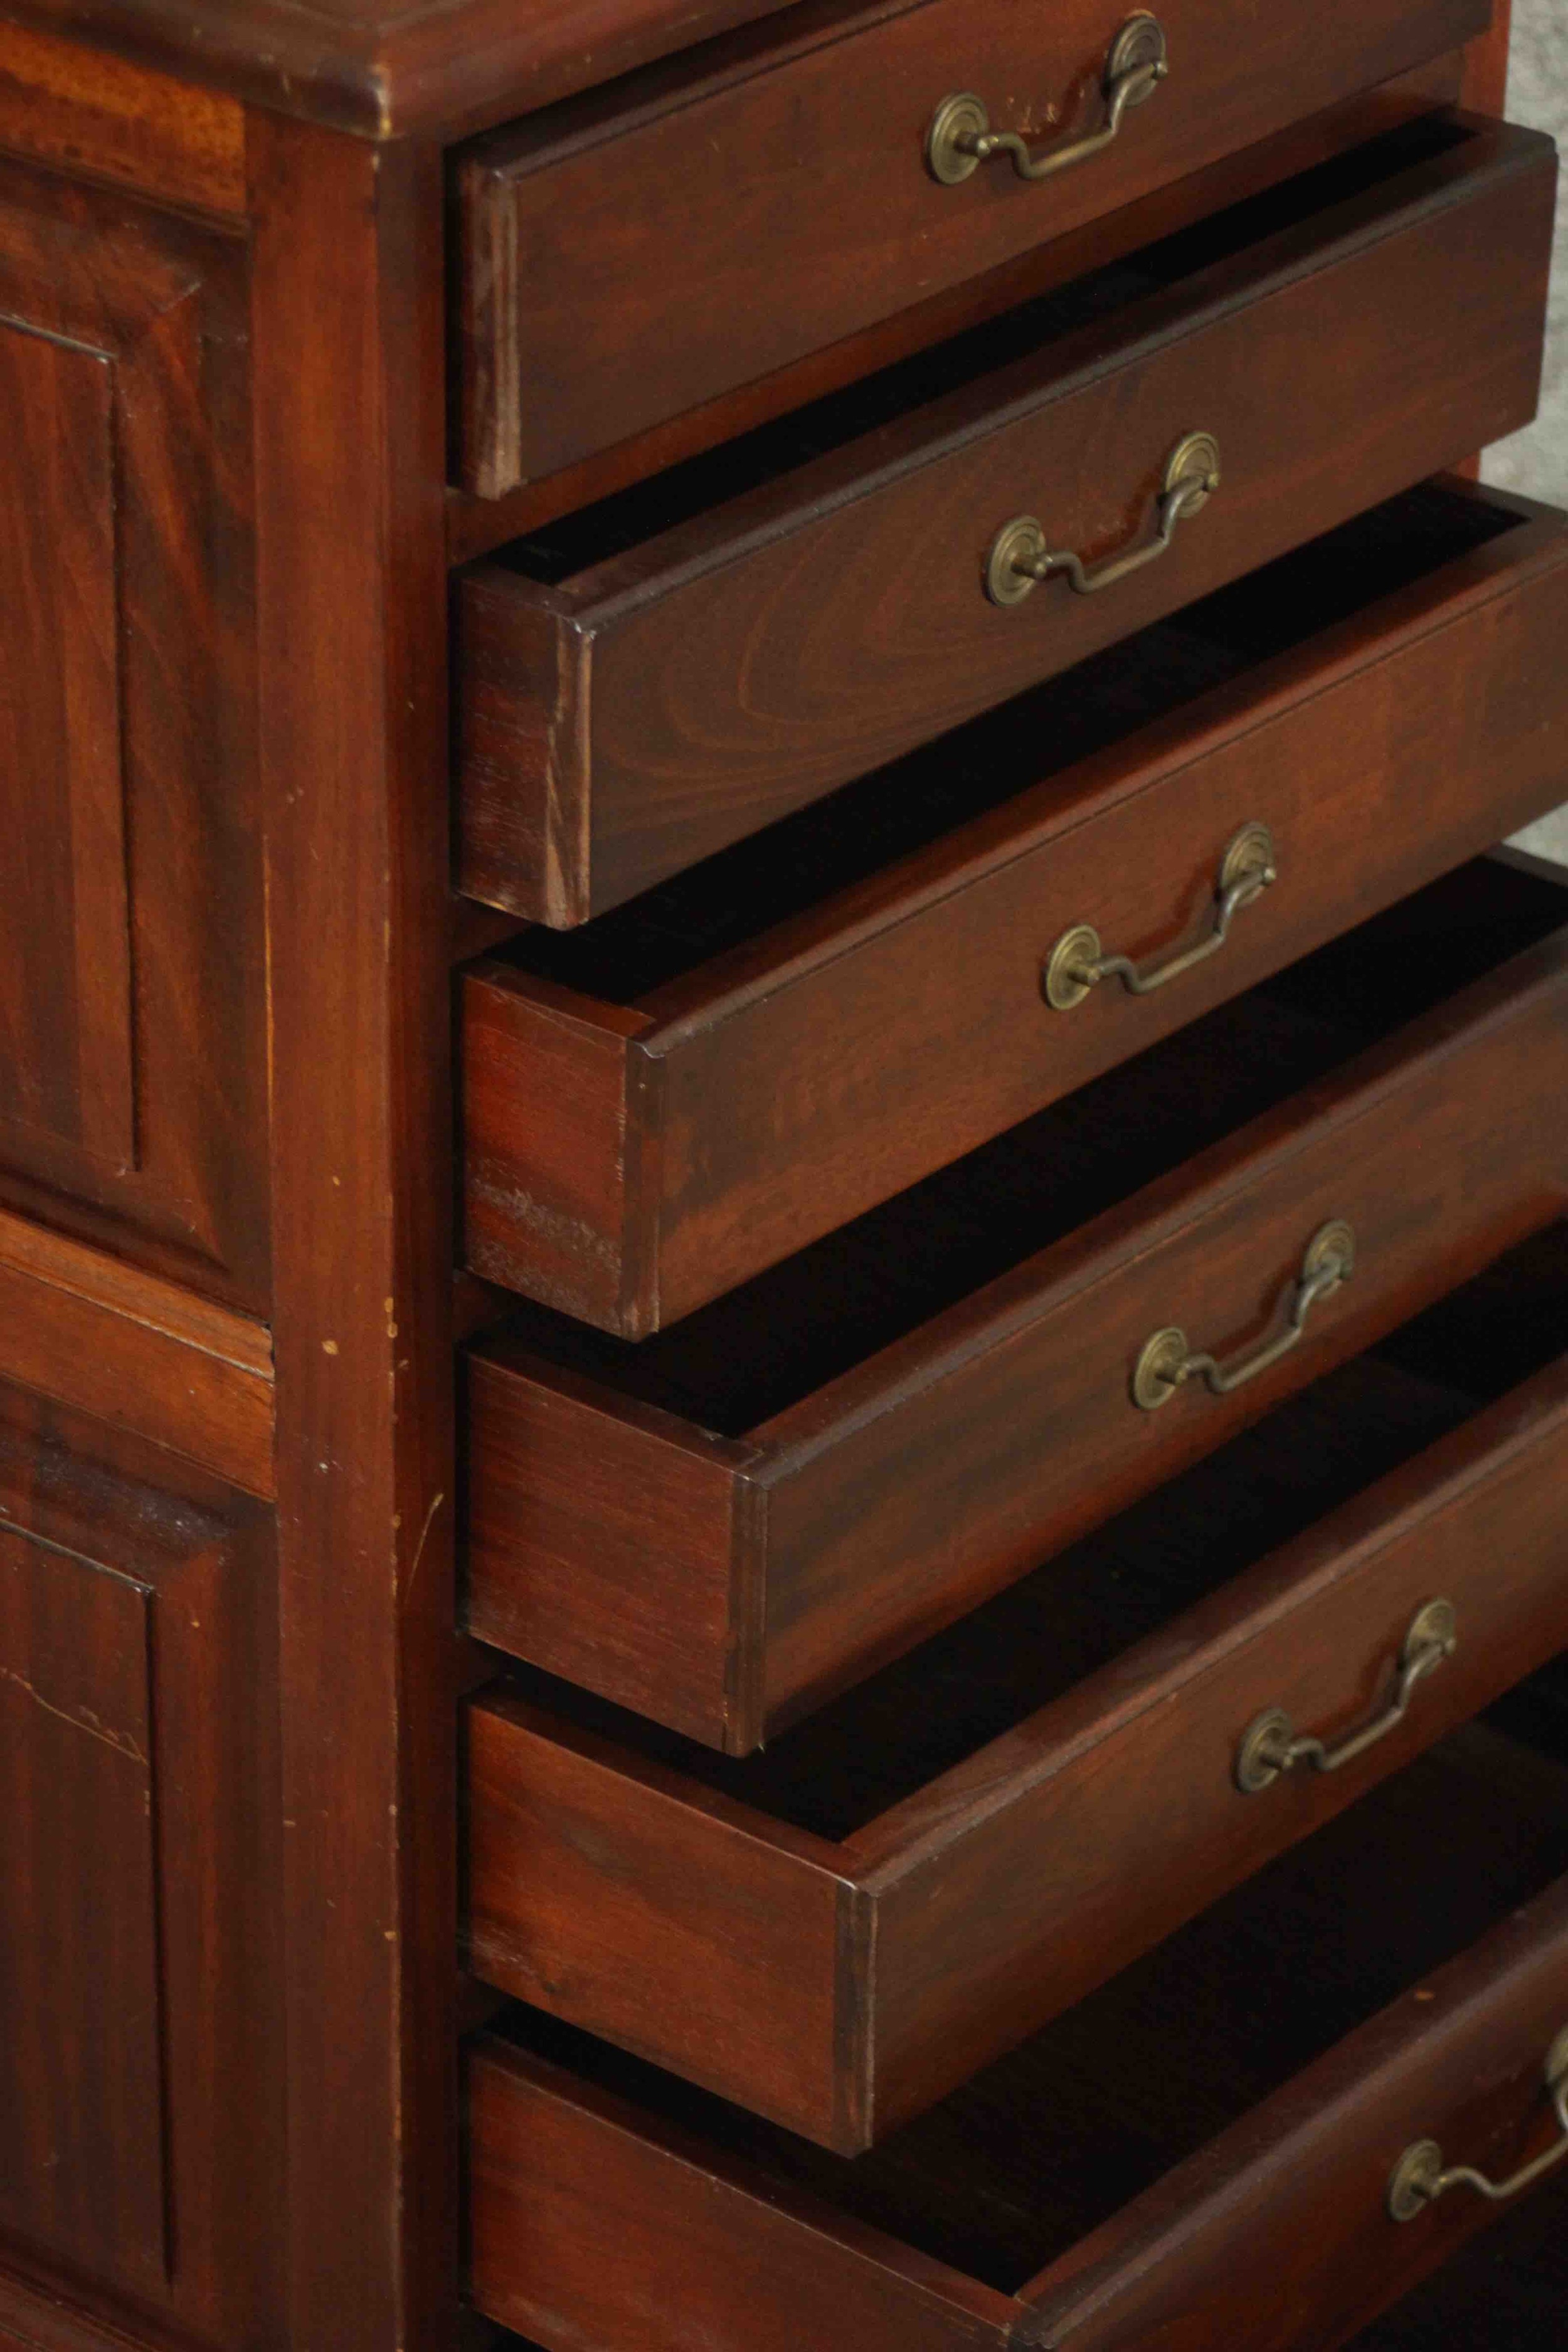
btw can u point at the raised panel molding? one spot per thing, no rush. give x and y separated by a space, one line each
133 1038
140 2104
65 971
81 2153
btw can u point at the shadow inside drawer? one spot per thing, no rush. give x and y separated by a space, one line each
890 1737
1009 2172
731 900
734 1364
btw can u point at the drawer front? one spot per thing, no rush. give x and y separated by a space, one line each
1282 2236
698 1137
725 1585
631 256
847 1985
1277 2234
639 715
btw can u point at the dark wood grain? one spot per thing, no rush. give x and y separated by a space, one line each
1025 1867
386 71
1177 2184
1260 2234
133 1053
82 2167
107 1338
141 2156
1486 62
614 251
88 111
476 526
896 1443
352 598
805 628
66 1066
627 1161
584 2209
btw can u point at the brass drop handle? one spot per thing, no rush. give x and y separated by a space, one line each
1078 963
1271 1744
1166 1362
960 139
1021 556
1420 2177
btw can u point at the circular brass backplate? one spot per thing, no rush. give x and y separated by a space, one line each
1262 1743
1249 856
1073 953
1557 2060
1413 2180
1017 542
1436 1625
957 120
1193 466
1139 44
1331 1245
1155 1377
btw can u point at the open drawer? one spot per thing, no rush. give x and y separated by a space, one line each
720 1526
650 678
661 1103
837 1932
641 251
1248 2138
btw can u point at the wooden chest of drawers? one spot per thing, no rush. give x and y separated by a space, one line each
783 1181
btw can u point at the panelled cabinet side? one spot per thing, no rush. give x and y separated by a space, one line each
140 2077
347 326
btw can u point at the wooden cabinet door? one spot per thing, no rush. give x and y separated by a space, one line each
138 2058
131 1065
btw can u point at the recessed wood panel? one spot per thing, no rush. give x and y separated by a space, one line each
132 1043
82 2149
140 2099
65 970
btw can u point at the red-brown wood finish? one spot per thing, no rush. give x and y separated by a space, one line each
477 525
839 1986
627 1162
649 249
232 1998
140 1353
132 1049
347 308
598 2224
804 632
138 1887
780 1563
82 110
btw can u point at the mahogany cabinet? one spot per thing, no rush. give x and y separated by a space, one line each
139 1875
782 1179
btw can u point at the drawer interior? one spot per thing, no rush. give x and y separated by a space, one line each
727 902
596 534
888 1738
735 1365
1012 2170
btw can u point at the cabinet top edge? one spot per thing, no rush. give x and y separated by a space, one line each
392 69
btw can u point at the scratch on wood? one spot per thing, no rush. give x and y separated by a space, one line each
93 1729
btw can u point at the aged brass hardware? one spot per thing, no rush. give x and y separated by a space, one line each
1078 963
1166 1361
1420 2177
960 138
1272 1746
1021 556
